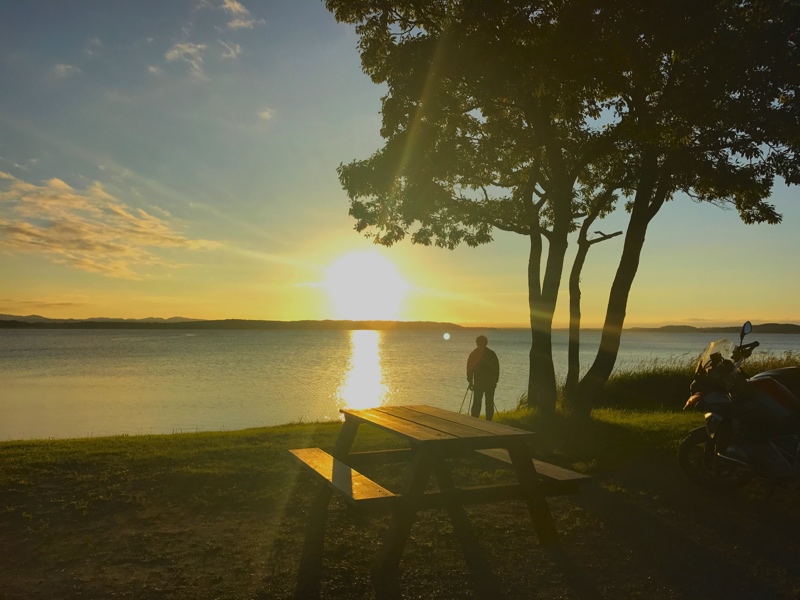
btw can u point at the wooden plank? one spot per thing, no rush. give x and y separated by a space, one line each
445 425
485 494
379 457
353 485
543 469
402 427
476 423
462 447
414 423
474 495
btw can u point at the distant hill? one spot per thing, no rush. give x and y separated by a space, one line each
763 328
38 322
40 319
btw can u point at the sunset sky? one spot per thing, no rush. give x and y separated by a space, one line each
179 158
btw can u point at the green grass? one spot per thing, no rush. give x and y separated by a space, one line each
664 384
206 515
50 486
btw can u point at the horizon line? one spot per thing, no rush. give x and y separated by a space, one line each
177 319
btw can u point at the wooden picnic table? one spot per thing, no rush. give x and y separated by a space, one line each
433 435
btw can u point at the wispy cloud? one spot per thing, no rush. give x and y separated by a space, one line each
24 165
85 229
62 71
266 114
235 7
6 303
240 17
231 50
155 70
92 48
191 54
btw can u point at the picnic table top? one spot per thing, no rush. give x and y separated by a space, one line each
422 424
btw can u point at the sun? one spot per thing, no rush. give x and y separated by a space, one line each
365 286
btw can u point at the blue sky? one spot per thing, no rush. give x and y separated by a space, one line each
178 158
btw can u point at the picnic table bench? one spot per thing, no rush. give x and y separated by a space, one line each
434 435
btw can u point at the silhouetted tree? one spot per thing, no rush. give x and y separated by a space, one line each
709 91
597 205
501 113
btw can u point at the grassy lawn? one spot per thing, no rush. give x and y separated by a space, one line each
221 515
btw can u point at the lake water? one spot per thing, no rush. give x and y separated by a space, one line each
78 383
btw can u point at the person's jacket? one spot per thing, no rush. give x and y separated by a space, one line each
483 368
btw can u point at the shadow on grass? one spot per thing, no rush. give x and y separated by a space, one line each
691 547
639 529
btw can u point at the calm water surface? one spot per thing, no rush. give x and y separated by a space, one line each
76 383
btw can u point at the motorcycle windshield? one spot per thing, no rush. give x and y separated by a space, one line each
723 347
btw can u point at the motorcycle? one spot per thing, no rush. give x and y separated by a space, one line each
752 424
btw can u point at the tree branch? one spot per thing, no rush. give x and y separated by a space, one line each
509 228
603 237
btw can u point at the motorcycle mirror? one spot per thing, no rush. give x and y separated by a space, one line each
746 328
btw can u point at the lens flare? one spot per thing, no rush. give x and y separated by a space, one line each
365 286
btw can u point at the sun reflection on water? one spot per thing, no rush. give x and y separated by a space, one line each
363 385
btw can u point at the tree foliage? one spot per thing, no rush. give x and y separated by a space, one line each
520 115
467 134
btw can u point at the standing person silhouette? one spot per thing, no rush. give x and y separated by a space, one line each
483 372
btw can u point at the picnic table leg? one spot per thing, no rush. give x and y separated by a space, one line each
477 560
534 495
385 573
310 572
345 440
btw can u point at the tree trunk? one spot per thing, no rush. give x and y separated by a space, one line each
542 389
574 344
644 209
591 386
539 356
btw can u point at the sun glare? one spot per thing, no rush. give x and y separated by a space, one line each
363 386
365 286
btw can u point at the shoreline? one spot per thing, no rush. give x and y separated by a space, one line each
345 325
235 324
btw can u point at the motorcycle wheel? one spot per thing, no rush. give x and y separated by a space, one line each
698 459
